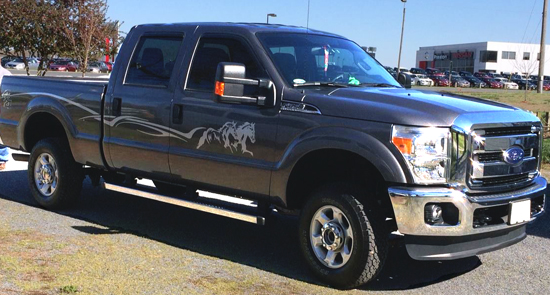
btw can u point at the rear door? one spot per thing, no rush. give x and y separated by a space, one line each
138 110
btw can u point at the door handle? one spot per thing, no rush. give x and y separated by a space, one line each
117 107
177 114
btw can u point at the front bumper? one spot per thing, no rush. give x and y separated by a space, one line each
409 205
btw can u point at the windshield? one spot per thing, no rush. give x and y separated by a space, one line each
304 59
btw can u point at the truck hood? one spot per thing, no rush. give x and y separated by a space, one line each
409 107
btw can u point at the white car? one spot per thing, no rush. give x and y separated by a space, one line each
94 67
508 84
18 64
421 80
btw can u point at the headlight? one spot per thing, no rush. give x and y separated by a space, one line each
425 150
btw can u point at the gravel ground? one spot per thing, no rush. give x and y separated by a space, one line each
117 244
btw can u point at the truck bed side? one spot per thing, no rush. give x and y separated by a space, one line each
33 106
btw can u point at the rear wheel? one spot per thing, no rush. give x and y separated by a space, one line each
55 179
343 240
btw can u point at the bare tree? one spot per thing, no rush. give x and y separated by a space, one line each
526 65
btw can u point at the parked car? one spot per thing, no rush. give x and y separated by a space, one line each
523 84
507 84
418 71
494 75
465 74
459 81
453 73
506 75
519 77
434 72
7 59
545 84
18 64
492 83
391 71
481 75
475 82
94 67
440 80
64 66
421 80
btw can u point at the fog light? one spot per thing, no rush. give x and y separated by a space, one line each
433 214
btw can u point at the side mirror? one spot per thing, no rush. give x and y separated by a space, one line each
230 86
404 80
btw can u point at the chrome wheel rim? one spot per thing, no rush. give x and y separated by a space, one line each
46 174
331 237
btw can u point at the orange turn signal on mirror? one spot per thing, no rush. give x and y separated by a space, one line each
403 144
220 88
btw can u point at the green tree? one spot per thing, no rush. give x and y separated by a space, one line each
86 30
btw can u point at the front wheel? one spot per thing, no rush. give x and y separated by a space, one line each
343 240
55 179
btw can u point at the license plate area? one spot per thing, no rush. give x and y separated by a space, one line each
520 212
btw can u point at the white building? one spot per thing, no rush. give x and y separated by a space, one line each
499 57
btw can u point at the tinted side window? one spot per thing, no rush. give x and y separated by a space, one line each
153 60
212 51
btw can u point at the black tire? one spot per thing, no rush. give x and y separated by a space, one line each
369 242
67 174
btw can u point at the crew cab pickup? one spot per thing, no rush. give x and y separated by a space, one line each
299 122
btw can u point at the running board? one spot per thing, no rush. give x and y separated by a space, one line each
186 204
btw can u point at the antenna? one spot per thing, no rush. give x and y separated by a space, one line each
307 25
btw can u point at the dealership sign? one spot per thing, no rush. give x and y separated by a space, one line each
463 55
454 55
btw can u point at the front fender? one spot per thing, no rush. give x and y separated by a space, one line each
351 140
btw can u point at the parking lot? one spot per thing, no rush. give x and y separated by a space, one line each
117 244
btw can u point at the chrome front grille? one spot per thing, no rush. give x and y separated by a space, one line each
491 163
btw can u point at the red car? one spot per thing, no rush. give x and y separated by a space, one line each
440 81
492 83
64 66
434 72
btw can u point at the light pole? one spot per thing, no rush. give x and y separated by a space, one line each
270 14
401 43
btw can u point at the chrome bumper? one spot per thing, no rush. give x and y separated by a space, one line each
409 203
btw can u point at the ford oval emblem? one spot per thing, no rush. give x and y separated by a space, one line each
513 155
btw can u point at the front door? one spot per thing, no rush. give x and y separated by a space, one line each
225 145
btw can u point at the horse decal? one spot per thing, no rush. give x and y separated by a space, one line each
232 136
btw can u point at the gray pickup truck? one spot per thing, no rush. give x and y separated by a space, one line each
299 122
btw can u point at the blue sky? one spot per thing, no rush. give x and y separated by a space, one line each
368 22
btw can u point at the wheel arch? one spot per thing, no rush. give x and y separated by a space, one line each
43 118
356 153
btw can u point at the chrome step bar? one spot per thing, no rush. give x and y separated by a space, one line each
260 220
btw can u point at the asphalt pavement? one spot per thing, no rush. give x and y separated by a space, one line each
144 247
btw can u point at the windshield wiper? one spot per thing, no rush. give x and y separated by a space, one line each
330 84
378 85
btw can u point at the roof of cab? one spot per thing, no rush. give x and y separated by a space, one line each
252 27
